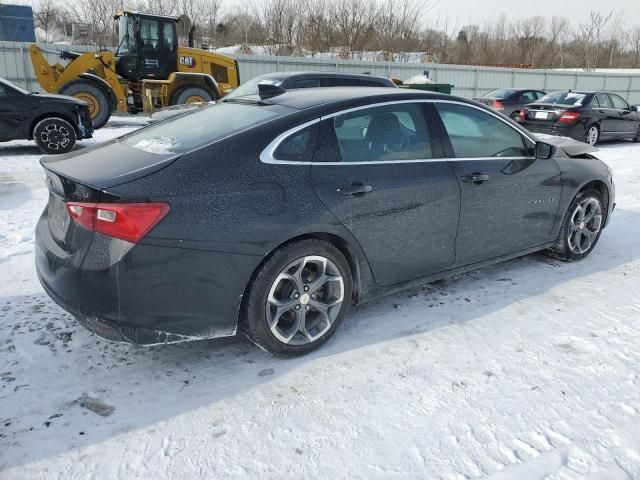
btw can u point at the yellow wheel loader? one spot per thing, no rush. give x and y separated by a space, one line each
147 71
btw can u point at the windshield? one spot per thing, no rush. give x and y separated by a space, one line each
499 94
573 99
251 87
203 126
15 87
126 38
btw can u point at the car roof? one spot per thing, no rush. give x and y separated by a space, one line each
314 74
313 97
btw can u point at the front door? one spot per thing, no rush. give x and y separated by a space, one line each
378 172
11 116
509 199
627 119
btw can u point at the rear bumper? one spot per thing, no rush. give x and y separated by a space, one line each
572 131
146 294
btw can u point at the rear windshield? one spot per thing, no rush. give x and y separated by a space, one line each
499 94
200 127
573 99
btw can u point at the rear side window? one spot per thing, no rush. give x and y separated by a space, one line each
601 101
389 132
203 126
477 134
304 83
299 146
340 82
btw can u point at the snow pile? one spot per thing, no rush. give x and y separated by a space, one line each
159 145
524 370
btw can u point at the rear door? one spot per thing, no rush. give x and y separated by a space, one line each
608 117
508 198
379 172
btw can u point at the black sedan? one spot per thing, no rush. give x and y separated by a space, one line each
585 116
509 101
272 215
55 122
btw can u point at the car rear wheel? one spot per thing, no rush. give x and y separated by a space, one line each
592 135
515 115
54 135
581 228
298 298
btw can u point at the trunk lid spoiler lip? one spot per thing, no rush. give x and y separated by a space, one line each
55 164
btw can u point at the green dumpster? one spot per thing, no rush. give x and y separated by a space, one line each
431 87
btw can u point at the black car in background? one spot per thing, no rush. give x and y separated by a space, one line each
585 116
55 122
293 80
509 101
272 215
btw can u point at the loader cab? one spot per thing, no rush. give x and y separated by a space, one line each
147 46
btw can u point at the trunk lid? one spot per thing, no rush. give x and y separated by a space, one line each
107 165
544 112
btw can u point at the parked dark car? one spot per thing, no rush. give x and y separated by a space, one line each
271 216
585 116
509 101
55 122
293 80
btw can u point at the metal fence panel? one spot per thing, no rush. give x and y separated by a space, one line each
469 81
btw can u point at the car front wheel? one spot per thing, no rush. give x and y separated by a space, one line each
581 227
298 298
54 135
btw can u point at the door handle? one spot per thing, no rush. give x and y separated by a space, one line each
355 189
475 178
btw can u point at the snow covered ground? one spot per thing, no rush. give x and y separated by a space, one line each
525 370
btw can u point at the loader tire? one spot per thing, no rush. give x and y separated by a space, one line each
190 95
95 97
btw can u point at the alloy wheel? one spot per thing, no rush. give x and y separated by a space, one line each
304 300
592 135
585 225
55 137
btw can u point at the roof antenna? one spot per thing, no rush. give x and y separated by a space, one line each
268 90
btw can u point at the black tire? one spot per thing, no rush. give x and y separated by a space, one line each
94 96
636 139
563 248
184 95
587 134
54 135
515 115
254 321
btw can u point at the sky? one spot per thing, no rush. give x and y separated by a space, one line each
464 12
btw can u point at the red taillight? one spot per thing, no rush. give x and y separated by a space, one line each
569 117
522 116
126 221
497 105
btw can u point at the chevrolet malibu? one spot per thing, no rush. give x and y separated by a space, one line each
271 215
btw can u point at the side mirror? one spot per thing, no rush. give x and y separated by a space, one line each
634 108
544 151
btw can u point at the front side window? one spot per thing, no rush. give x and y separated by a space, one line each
528 97
477 134
149 35
390 132
619 103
